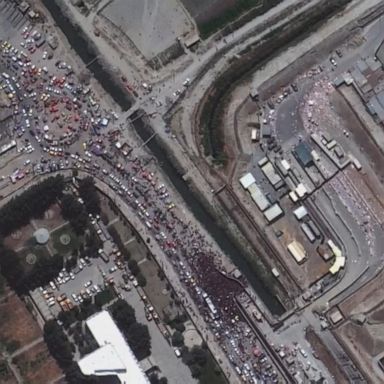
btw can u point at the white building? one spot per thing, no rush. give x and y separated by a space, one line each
114 357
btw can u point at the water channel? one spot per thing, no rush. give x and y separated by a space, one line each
78 42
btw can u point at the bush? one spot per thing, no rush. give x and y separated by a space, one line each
88 193
133 267
177 339
104 297
141 280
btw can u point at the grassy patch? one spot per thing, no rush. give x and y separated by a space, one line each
40 251
211 373
61 248
104 297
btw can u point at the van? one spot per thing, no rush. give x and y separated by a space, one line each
303 353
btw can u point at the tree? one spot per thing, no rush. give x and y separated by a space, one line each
30 204
199 355
177 339
195 370
139 340
58 344
73 211
88 193
137 335
11 268
142 281
133 267
154 379
123 314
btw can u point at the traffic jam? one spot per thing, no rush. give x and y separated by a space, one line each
61 124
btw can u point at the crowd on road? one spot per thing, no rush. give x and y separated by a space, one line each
60 124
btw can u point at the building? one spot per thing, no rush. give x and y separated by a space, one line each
270 173
303 154
335 316
247 180
300 212
113 357
297 251
273 213
258 197
339 262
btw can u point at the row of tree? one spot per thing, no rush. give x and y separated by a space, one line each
22 277
73 211
88 192
136 334
29 205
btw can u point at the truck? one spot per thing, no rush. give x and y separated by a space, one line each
254 135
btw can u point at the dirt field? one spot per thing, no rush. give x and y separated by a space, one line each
6 375
152 26
124 231
52 219
18 239
155 287
17 325
315 267
37 366
107 211
365 342
205 10
326 357
365 299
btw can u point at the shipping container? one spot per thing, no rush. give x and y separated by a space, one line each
307 231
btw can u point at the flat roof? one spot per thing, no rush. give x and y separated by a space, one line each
269 171
303 153
114 357
247 180
300 212
258 197
301 190
273 213
297 251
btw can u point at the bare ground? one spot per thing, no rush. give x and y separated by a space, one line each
37 366
326 357
16 323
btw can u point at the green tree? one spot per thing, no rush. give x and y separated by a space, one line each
30 204
88 193
73 211
58 345
177 339
139 340
142 281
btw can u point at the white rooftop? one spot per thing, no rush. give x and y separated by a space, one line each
114 357
247 180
